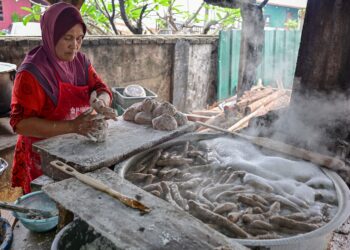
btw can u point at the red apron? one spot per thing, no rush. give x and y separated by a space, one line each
72 101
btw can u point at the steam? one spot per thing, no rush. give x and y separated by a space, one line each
312 121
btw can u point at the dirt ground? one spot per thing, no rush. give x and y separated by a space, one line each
7 193
341 237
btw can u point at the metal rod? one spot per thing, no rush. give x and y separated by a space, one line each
20 209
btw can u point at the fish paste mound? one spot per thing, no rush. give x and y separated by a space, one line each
164 122
162 116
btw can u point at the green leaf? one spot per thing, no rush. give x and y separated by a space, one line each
37 17
27 19
27 9
164 3
219 15
83 8
136 13
36 8
15 17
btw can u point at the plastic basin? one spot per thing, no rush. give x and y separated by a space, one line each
38 200
126 101
79 235
6 234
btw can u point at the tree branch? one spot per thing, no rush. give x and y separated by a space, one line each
101 31
213 22
139 21
232 4
190 19
125 18
110 17
262 4
170 18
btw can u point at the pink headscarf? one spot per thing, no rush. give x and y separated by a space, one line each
42 61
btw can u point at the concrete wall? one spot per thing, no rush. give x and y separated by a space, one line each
180 69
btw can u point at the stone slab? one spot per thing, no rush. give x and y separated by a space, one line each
38 183
124 139
165 227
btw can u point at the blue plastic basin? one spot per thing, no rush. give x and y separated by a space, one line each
38 200
5 234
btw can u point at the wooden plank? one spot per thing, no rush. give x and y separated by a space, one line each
165 227
124 139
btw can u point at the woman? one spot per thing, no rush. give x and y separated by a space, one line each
53 90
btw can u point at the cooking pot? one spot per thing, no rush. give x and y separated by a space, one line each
7 76
316 239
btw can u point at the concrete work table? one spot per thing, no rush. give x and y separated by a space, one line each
124 139
165 227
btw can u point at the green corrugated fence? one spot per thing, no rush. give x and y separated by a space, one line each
278 64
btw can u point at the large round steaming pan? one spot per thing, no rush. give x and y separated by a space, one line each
123 167
317 239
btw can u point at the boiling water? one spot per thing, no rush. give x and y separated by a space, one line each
235 188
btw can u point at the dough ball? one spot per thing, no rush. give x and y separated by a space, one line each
164 122
180 118
148 105
130 113
164 108
143 118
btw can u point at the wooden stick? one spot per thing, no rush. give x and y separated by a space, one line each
280 102
206 112
319 159
241 105
100 186
246 119
194 117
263 101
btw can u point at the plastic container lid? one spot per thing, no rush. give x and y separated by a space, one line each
7 67
134 91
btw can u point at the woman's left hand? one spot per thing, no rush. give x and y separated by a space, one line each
101 107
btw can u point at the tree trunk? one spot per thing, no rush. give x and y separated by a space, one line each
252 43
321 90
323 64
252 39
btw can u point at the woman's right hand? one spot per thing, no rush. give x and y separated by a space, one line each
87 123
